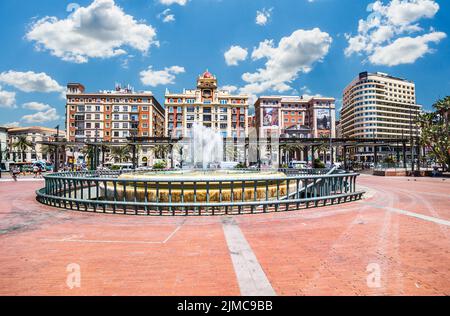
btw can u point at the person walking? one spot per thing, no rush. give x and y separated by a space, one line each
14 172
36 171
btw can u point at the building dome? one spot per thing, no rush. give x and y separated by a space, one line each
207 75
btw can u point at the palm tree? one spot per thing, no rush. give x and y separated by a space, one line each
291 148
47 150
161 151
443 108
435 132
322 148
22 144
120 154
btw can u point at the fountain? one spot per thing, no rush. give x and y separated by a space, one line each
205 181
202 191
206 146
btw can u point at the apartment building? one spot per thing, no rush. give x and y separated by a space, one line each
34 135
112 115
377 105
296 116
209 106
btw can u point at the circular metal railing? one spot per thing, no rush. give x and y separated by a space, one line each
106 192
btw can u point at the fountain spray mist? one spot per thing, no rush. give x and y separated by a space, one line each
206 146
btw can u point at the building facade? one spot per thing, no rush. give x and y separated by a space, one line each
295 116
112 116
34 135
209 106
377 105
3 147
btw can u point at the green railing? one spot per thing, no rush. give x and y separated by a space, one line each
105 192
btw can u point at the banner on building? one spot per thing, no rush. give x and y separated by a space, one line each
323 119
270 117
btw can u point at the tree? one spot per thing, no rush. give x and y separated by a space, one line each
22 145
435 131
161 151
47 150
291 148
322 148
120 154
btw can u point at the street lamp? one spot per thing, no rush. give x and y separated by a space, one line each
1 159
331 136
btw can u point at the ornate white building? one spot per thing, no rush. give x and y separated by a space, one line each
208 106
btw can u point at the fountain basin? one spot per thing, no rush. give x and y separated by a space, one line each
198 186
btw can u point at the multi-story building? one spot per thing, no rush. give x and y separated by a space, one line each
377 105
34 135
209 106
112 116
295 116
3 146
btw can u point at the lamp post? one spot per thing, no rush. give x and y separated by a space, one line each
1 159
331 136
55 167
411 144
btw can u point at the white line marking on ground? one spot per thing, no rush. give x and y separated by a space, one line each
250 275
22 180
93 241
171 235
412 214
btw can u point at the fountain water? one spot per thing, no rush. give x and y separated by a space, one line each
210 184
206 146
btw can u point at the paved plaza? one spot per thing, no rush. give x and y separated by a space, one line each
396 241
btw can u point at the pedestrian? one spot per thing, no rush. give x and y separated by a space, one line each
14 172
40 171
35 171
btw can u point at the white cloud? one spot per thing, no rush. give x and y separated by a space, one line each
229 88
155 78
11 124
263 16
42 117
234 55
170 2
7 99
100 30
405 50
384 37
294 54
401 12
167 16
36 106
30 81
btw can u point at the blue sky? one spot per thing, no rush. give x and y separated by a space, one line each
279 47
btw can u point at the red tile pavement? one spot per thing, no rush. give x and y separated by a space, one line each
316 251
